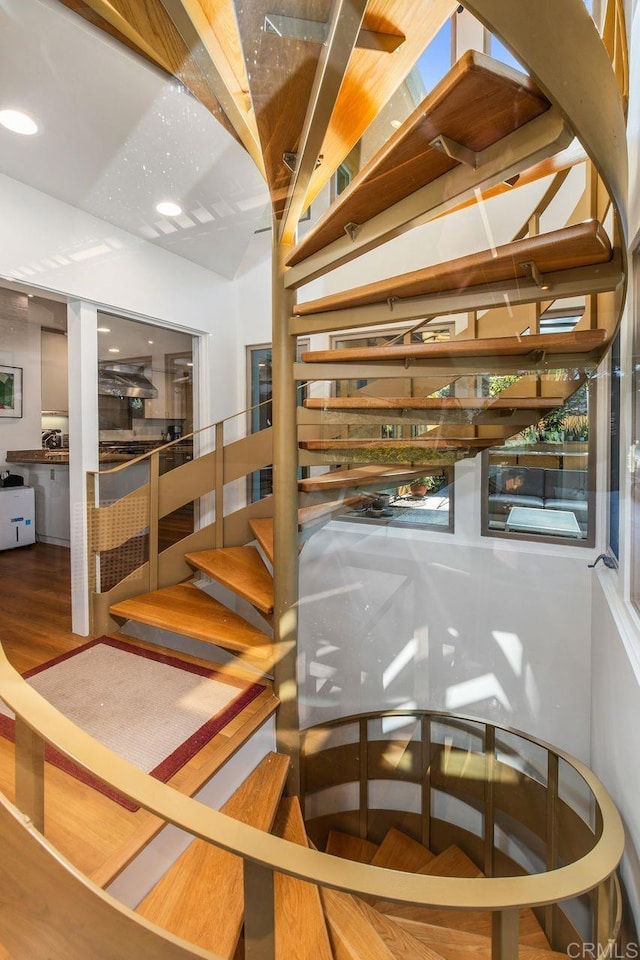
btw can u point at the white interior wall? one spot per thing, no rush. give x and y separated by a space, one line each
392 618
20 347
615 684
615 705
59 248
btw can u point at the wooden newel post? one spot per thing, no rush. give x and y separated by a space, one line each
29 774
504 934
259 912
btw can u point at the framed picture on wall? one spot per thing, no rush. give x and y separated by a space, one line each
10 391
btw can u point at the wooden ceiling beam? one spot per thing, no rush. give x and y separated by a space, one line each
343 32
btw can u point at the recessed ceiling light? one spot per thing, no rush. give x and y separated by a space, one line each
149 341
189 364
114 349
169 209
396 123
18 122
104 329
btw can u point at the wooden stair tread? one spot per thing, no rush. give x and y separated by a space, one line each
262 529
308 517
477 104
400 941
580 341
362 443
366 475
187 610
201 896
189 780
477 923
318 513
453 862
349 847
351 934
463 945
398 851
579 245
300 927
239 568
433 403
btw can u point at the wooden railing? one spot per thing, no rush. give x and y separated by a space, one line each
129 502
503 778
68 910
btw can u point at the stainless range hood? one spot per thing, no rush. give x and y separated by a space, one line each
125 380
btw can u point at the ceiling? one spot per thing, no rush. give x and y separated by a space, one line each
116 136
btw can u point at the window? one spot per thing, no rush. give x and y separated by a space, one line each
540 484
435 62
499 52
260 393
614 449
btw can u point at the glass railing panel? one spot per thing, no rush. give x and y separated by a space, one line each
454 810
517 844
573 790
522 755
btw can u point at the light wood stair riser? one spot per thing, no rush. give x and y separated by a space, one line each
241 570
200 898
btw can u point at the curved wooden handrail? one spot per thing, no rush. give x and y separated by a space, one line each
276 854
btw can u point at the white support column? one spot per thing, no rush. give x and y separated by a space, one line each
82 321
468 34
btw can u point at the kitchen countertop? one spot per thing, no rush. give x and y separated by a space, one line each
60 457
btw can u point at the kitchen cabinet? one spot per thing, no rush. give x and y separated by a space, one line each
51 485
53 371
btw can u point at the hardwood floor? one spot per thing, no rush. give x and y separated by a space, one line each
35 597
96 834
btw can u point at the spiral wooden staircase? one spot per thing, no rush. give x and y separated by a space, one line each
298 88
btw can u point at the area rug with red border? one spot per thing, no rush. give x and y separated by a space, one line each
155 710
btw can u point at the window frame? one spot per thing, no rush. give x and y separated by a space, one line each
587 542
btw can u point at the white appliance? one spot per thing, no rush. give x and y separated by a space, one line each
17 517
